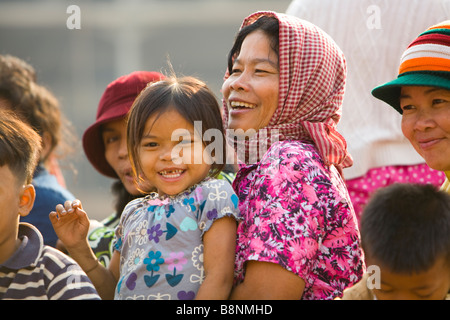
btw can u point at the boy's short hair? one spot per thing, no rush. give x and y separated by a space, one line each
406 227
20 146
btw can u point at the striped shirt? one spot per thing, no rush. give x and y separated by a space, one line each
39 272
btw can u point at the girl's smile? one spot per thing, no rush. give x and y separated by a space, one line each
171 170
171 175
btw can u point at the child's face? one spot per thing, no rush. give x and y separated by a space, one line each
433 284
426 123
170 164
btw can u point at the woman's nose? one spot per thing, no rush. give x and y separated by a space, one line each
123 150
239 82
424 121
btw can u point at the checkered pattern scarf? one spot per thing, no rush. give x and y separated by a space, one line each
311 90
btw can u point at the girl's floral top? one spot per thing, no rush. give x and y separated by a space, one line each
160 241
297 213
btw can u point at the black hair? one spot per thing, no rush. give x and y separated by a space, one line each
268 24
406 227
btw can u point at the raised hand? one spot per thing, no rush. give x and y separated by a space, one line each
70 223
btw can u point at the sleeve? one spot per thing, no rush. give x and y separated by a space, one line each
66 280
219 200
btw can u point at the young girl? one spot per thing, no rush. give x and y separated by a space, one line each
177 243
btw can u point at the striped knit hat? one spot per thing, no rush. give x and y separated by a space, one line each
426 62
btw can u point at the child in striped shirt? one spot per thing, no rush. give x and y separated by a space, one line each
28 268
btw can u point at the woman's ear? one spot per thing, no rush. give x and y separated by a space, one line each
27 196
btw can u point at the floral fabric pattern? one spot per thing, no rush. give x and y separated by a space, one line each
296 212
160 241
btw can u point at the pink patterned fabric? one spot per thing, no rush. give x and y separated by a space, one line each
361 188
297 213
312 81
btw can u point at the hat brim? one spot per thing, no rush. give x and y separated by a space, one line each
93 145
390 91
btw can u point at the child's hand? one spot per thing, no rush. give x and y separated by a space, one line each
71 223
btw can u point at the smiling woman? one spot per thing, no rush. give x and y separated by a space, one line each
421 93
252 87
298 238
426 123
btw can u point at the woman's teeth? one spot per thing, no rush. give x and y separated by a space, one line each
171 173
239 105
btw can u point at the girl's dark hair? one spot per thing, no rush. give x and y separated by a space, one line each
187 95
269 25
406 227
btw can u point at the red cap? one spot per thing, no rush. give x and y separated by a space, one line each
114 104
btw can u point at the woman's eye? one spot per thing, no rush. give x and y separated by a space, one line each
439 101
407 107
111 139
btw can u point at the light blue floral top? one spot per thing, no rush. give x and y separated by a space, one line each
160 241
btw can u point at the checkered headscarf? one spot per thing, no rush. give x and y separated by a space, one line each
311 90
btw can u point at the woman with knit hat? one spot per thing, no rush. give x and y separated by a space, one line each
104 143
283 94
421 94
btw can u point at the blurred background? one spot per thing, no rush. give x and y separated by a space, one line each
116 38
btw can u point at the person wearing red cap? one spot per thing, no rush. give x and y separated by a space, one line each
104 143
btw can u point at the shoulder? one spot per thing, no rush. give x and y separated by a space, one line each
55 262
66 279
216 199
214 184
53 275
218 192
135 205
291 159
290 154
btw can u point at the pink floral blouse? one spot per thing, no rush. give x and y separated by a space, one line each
297 213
